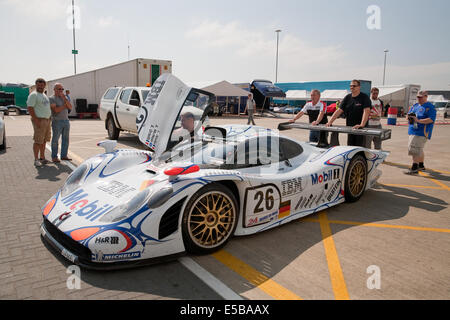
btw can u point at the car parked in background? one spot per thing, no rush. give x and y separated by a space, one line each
17 109
119 108
4 110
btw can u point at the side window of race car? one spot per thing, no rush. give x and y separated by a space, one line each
289 149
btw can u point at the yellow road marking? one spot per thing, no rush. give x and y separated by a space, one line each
379 225
334 266
256 278
407 166
409 186
78 160
434 180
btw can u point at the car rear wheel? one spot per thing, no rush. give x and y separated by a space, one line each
355 178
113 131
210 219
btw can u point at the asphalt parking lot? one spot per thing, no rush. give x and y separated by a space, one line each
392 244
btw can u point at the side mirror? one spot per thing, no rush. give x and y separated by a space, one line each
108 145
135 102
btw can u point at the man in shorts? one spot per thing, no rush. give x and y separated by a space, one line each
421 119
39 109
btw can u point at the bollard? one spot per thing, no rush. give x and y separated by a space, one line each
392 116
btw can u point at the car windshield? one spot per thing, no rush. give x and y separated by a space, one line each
211 152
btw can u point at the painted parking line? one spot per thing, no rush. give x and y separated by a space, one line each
443 186
409 186
334 266
407 166
255 277
215 284
379 225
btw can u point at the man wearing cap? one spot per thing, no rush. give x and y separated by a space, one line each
60 107
39 109
421 119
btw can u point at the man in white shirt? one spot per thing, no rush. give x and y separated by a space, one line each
316 111
374 119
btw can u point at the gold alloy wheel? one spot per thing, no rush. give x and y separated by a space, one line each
211 219
357 178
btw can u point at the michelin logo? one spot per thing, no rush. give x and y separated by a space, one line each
114 257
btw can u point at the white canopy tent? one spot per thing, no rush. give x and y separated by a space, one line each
333 95
437 98
401 96
226 89
297 95
392 93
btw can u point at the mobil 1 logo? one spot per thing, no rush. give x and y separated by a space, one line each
325 176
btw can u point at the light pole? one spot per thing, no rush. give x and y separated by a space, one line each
276 66
73 34
384 71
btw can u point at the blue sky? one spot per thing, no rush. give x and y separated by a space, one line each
231 40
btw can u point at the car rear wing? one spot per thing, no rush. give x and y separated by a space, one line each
383 134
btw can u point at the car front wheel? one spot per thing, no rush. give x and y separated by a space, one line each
209 219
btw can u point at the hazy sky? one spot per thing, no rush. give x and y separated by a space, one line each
210 41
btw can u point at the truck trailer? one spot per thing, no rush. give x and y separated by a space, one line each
87 89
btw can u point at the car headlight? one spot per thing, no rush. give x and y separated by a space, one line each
160 197
73 181
126 209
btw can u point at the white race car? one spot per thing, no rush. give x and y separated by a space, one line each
196 188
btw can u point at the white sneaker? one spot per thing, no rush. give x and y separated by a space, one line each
37 163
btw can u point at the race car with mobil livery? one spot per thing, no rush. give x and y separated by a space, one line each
195 187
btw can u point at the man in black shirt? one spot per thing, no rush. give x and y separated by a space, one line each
356 107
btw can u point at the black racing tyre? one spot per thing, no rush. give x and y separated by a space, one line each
355 178
209 219
113 131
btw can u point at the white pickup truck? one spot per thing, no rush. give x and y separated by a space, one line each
119 107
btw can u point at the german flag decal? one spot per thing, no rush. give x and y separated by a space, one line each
285 209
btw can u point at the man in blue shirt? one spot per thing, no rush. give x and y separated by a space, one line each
421 119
